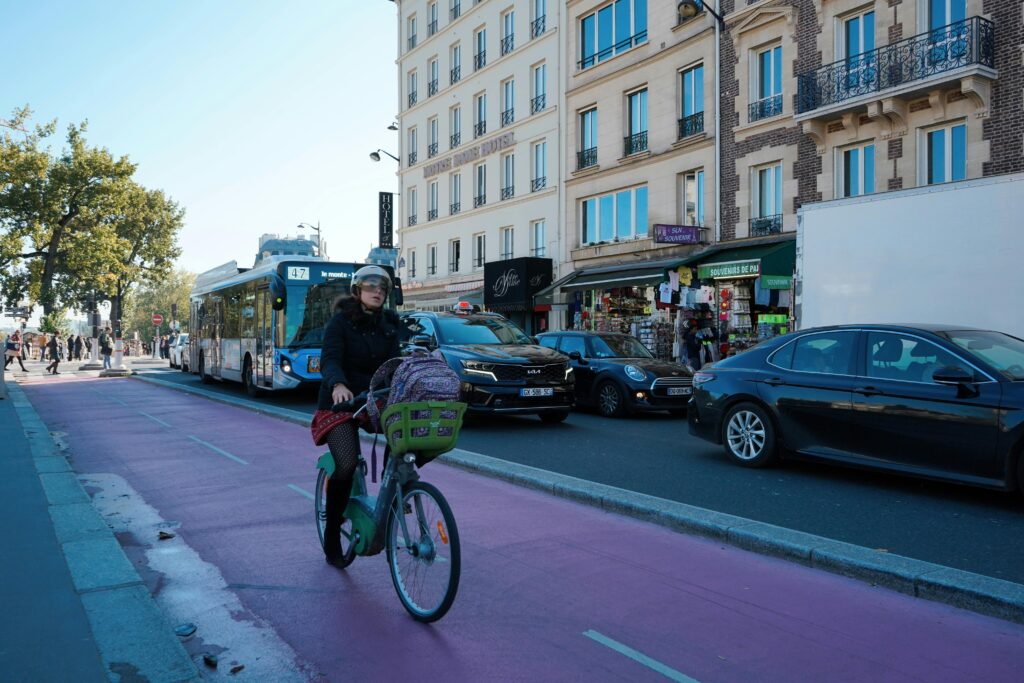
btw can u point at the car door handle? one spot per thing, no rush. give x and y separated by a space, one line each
775 382
867 391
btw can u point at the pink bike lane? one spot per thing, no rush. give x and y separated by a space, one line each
550 589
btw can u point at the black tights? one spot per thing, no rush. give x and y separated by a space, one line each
343 441
10 359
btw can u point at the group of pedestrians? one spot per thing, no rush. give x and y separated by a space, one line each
54 348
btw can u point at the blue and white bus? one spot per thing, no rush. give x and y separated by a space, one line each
264 326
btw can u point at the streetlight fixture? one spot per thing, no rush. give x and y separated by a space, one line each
376 155
393 126
319 251
688 9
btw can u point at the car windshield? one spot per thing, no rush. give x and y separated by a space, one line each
309 309
619 347
1001 351
480 331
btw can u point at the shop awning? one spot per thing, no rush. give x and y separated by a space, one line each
775 259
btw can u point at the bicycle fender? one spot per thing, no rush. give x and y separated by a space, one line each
326 463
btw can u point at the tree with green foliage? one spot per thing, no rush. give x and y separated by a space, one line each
157 297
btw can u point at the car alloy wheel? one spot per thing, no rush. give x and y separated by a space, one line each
610 400
746 435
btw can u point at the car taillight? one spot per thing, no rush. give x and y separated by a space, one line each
700 378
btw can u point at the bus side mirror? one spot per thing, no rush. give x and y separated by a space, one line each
278 298
399 299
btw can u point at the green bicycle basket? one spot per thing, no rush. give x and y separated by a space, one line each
426 428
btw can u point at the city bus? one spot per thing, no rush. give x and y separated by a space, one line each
263 326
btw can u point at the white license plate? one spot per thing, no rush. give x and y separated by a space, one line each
537 392
680 391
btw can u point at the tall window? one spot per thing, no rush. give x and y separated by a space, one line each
538 239
508 32
540 8
413 145
636 141
946 154
540 88
456 60
432 137
508 176
693 198
857 171
432 201
412 206
432 86
479 250
413 92
480 185
767 99
455 193
693 102
431 18
480 115
480 51
411 31
588 139
614 216
945 12
456 128
454 255
507 240
432 259
858 40
412 263
540 166
508 100
612 29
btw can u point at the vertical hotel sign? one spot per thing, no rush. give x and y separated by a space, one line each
387 232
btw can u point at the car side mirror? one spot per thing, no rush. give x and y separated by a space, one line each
578 357
953 375
424 340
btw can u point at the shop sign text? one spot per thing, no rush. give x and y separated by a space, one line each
721 271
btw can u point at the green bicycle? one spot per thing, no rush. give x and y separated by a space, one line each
408 518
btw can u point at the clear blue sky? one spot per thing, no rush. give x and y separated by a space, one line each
254 115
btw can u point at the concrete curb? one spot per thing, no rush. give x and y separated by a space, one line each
128 627
966 590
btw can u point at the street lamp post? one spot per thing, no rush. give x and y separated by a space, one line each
319 250
376 155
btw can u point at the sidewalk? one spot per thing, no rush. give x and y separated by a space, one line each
75 608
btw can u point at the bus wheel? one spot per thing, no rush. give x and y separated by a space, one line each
206 379
248 380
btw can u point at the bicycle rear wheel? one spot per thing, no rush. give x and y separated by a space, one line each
425 574
320 511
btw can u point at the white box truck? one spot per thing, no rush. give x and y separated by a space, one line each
948 254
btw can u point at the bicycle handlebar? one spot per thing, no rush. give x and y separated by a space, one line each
357 403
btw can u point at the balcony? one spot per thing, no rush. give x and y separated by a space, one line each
432 88
431 214
479 129
508 43
479 60
905 68
454 208
456 11
432 150
455 75
538 183
479 200
454 140
538 26
538 103
507 117
412 98
432 28
586 158
766 225
508 192
412 158
636 143
412 220
764 109
691 125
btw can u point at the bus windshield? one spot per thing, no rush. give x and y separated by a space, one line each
308 310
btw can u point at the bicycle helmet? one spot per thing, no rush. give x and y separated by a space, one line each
371 274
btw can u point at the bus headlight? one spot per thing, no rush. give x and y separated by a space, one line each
286 364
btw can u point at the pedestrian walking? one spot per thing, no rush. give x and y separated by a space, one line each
13 348
78 347
42 347
88 347
54 346
106 347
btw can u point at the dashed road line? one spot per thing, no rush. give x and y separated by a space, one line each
639 657
155 419
301 491
218 450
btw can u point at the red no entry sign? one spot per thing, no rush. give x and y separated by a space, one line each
157 319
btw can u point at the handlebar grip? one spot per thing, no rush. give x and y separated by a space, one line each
350 406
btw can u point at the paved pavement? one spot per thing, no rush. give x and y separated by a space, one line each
551 590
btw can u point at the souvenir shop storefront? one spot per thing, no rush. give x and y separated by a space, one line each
509 289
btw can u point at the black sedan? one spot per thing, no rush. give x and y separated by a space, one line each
618 375
930 401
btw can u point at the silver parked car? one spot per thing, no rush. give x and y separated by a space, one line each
179 351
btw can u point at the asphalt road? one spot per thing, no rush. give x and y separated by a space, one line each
955 526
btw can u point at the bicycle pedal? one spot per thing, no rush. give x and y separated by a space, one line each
407 508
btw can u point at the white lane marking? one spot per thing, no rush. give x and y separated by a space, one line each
653 664
218 450
155 419
301 491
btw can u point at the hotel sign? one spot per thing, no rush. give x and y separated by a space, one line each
495 144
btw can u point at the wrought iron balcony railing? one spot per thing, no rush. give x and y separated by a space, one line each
480 60
432 270
456 11
508 43
454 140
412 158
538 183
634 40
691 125
431 214
412 220
432 28
479 200
454 208
508 192
586 158
432 150
766 225
412 98
636 143
432 88
505 255
538 26
479 129
538 103
478 262
455 75
539 251
964 43
453 266
766 108
508 116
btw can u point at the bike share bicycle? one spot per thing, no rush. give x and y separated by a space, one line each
408 518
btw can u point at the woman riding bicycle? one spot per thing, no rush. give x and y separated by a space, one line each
358 339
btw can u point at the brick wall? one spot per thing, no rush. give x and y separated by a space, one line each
1004 127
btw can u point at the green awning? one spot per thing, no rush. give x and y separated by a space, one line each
627 277
774 259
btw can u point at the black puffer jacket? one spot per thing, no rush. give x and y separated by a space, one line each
356 343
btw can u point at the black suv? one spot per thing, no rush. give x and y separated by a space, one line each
501 368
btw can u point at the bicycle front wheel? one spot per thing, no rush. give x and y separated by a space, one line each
426 570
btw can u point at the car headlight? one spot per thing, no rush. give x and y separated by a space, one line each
635 373
475 367
568 371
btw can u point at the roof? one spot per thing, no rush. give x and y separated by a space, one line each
919 327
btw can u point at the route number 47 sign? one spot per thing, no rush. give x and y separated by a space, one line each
298 273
